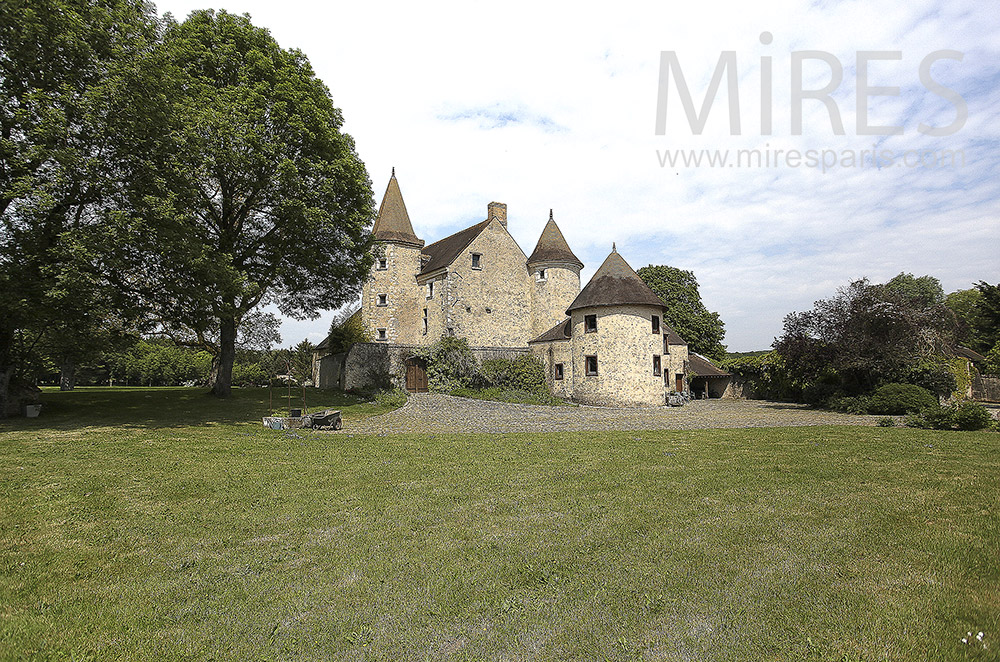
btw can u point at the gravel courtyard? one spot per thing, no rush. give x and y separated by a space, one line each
426 412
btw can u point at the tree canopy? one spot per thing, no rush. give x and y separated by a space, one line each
868 334
58 61
686 314
243 189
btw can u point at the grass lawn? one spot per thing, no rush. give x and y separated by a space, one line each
161 524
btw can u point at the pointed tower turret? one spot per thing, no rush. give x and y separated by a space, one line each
393 222
556 274
390 299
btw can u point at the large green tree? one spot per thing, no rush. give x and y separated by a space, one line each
686 314
244 189
868 334
58 59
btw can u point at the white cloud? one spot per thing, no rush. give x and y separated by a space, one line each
547 106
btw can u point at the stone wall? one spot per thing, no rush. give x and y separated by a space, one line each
551 353
624 345
400 316
551 296
488 306
367 364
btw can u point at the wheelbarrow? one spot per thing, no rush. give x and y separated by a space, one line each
328 419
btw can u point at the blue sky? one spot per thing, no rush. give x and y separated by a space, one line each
547 106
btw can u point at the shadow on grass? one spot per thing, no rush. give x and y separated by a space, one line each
166 407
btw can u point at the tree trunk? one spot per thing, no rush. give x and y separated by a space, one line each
67 377
5 373
227 356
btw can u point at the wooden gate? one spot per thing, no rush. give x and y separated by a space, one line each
416 375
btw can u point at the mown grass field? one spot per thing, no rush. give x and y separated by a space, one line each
161 524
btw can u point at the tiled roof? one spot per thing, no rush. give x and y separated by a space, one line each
392 222
561 331
552 246
702 367
672 337
444 252
615 284
966 353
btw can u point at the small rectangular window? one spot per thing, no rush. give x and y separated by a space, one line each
591 366
430 290
382 335
559 371
477 261
451 331
590 323
383 300
656 365
383 264
666 345
541 274
656 323
425 321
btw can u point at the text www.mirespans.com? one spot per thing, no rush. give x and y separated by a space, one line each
824 160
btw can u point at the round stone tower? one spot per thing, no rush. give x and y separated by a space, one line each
390 299
555 272
618 348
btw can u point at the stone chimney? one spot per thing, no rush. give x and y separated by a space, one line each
499 210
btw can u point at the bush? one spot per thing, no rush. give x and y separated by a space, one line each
886 422
522 373
850 405
963 416
450 365
901 399
394 397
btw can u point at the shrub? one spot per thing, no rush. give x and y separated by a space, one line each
394 397
970 416
963 416
522 373
850 405
450 365
886 422
901 399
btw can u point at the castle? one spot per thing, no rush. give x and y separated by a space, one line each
606 344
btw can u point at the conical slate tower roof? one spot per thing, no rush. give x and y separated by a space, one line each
615 284
392 222
552 246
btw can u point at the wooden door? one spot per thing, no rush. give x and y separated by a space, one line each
416 375
680 383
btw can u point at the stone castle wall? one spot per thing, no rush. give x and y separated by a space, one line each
551 353
551 296
624 345
489 306
400 316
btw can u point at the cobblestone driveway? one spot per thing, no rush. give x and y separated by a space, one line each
441 413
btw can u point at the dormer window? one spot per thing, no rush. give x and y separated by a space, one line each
656 323
383 300
590 323
477 261
383 263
